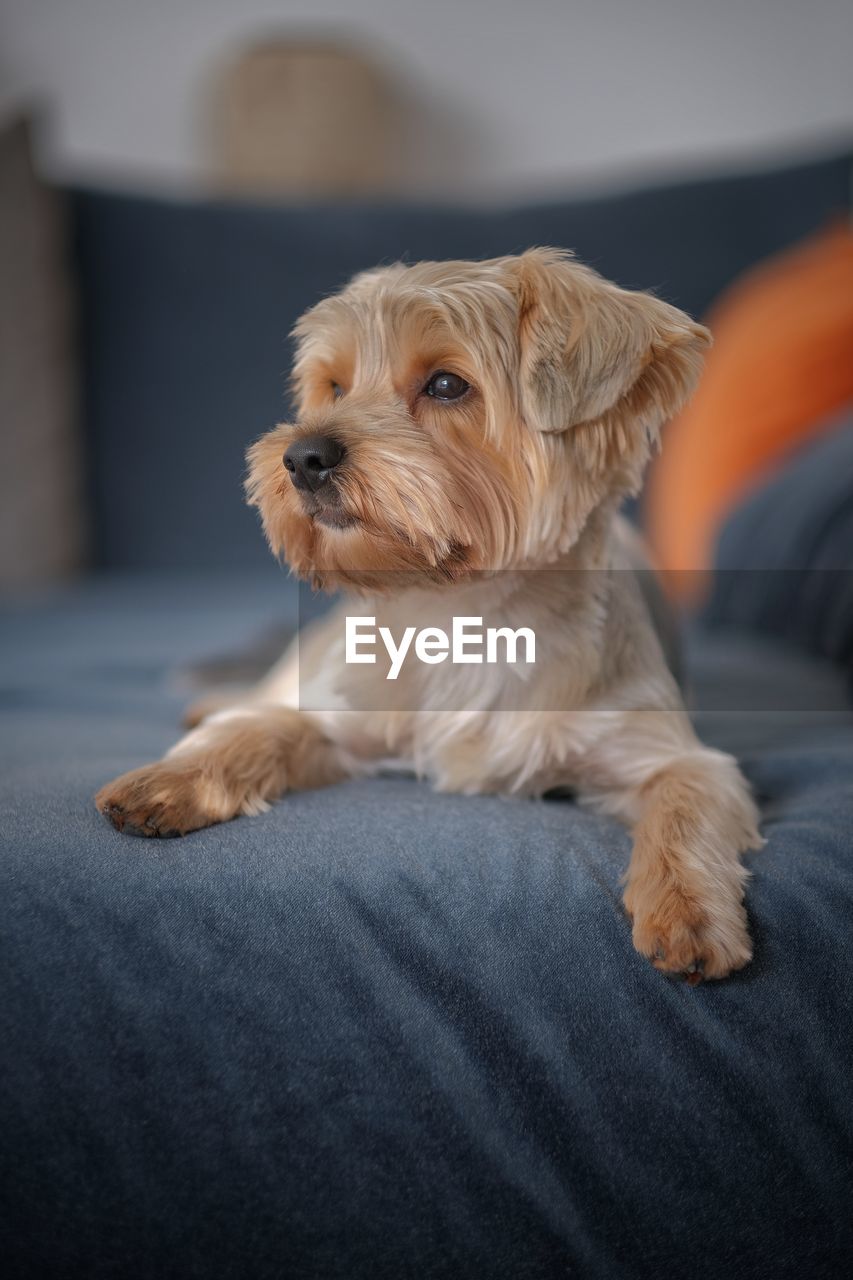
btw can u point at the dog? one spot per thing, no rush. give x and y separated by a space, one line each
466 433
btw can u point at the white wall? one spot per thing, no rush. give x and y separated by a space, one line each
527 93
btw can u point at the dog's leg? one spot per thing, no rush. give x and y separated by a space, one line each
685 883
235 762
692 816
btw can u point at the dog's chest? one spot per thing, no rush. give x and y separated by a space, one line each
521 752
497 713
516 641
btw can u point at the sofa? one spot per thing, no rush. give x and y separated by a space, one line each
379 1032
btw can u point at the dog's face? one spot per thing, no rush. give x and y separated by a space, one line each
461 416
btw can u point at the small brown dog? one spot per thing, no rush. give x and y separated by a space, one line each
463 427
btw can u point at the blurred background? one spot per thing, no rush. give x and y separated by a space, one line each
489 96
180 178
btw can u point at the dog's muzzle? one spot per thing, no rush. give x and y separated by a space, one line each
311 460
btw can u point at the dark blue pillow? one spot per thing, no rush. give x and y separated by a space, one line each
784 562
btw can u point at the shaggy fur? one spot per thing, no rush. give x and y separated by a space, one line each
570 381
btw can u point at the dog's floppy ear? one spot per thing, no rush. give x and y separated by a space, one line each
592 353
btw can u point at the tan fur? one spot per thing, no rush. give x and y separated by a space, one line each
243 760
571 379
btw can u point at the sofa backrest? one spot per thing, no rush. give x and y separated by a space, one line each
185 311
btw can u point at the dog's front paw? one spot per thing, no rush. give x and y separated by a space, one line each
166 799
694 935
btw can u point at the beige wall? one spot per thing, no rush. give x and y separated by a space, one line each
518 94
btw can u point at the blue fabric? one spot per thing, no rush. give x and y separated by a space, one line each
784 560
185 310
378 1032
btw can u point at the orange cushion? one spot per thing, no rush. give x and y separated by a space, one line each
782 361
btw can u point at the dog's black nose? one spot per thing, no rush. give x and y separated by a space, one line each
310 460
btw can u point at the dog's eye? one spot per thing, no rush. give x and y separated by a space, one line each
337 390
446 386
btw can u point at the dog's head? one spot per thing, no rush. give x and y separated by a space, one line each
460 416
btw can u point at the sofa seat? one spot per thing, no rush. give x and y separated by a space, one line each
382 1032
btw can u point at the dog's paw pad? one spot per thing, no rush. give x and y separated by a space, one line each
114 813
129 824
694 955
692 943
161 800
692 974
692 971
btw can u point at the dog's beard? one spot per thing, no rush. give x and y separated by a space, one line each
397 508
